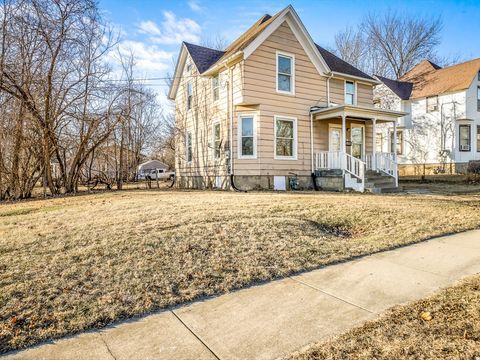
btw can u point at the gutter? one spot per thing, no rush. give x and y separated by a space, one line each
371 81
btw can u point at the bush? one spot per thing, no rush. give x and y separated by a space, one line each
473 167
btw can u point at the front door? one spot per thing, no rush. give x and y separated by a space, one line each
335 138
357 137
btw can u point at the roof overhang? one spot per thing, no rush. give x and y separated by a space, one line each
293 20
356 78
356 111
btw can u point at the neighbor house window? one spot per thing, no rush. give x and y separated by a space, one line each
285 138
216 141
285 73
399 146
247 142
189 95
379 142
464 137
478 76
215 88
349 93
478 98
189 147
432 103
478 138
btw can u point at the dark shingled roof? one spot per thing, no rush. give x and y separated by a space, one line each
402 89
203 57
338 65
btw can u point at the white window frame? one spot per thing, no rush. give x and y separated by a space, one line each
292 75
189 106
215 123
469 126
213 88
239 136
345 92
187 145
295 137
361 126
402 142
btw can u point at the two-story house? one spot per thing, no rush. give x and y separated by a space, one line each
274 110
441 132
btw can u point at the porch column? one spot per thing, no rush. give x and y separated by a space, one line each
344 133
394 150
374 144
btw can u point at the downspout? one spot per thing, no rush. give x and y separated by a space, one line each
314 177
231 172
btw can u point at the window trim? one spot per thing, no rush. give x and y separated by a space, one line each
239 136
292 75
189 104
426 104
295 137
478 138
189 144
214 124
361 126
460 126
354 91
217 76
402 143
478 97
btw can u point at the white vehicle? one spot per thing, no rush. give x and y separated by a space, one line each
160 174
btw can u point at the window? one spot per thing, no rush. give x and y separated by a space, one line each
349 93
432 103
399 147
478 76
379 142
189 68
247 142
189 147
189 95
215 88
285 73
478 138
478 98
464 137
285 138
217 142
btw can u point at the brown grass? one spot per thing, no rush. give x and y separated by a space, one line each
402 333
70 264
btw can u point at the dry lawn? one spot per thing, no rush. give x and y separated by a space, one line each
401 333
70 264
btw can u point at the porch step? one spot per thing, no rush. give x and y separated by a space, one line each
376 182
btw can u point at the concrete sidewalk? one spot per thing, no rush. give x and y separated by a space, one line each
275 319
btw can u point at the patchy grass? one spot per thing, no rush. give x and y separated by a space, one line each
403 333
74 263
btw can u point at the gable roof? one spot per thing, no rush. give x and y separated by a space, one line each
430 80
341 66
202 56
402 89
207 59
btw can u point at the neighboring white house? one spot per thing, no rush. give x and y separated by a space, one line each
149 165
442 128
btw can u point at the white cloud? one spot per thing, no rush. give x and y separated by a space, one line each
148 58
149 27
195 6
172 30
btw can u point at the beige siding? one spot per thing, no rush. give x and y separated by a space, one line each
364 94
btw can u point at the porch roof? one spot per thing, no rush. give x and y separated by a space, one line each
356 111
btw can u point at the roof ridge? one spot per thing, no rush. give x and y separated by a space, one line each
459 64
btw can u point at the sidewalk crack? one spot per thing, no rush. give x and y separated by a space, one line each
196 336
106 346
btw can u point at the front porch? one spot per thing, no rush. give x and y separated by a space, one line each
344 139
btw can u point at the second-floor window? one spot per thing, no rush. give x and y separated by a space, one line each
285 73
216 88
464 137
478 98
246 141
188 146
216 140
189 95
349 93
432 104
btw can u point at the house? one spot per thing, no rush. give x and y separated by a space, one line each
441 132
274 110
147 166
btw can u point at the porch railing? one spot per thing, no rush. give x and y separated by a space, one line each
355 168
383 162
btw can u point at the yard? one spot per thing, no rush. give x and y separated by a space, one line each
448 329
75 263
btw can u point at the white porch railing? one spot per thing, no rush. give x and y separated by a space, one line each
383 162
353 167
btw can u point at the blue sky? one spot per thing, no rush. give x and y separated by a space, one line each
155 29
